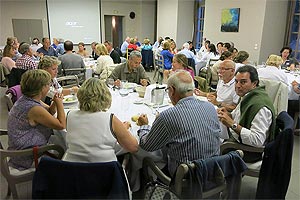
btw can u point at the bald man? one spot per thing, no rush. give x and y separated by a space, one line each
188 131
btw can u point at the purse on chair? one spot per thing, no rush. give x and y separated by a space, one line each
156 190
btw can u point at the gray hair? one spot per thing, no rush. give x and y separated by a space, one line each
186 45
182 81
24 48
135 54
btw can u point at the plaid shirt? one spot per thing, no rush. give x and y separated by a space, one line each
26 62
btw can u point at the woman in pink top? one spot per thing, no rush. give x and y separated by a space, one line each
8 54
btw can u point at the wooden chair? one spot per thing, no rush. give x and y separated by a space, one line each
14 176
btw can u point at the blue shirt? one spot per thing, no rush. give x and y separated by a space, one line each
60 50
50 52
188 131
168 57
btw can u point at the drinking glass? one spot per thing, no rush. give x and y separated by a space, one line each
110 82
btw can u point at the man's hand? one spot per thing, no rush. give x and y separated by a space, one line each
117 83
144 82
212 98
143 120
225 117
199 92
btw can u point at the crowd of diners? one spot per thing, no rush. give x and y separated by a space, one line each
191 129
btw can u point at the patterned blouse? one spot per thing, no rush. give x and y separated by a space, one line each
22 135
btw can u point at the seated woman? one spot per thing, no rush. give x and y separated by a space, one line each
82 51
180 62
8 54
288 62
104 62
93 133
50 64
241 59
30 121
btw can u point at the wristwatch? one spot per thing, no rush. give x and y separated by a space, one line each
234 126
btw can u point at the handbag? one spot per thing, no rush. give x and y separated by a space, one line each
158 191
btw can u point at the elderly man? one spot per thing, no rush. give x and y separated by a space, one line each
252 122
132 71
125 45
225 95
26 60
188 131
46 49
186 51
70 60
112 53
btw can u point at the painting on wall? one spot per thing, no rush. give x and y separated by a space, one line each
230 20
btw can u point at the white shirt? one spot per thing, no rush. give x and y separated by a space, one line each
226 92
102 67
258 132
273 73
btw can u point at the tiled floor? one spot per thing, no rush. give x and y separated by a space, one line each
248 189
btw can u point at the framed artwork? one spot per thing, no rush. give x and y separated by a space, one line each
230 20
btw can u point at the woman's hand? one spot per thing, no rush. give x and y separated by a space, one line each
58 98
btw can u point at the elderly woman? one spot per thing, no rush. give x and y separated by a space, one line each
50 64
93 133
241 59
30 121
104 62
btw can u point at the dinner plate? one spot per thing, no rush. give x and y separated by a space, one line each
129 85
70 99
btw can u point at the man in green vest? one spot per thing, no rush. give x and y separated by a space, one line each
252 122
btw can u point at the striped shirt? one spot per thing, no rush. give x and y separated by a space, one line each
26 62
188 131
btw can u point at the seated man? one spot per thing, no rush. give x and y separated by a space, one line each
225 95
188 131
252 122
132 71
46 49
112 52
70 60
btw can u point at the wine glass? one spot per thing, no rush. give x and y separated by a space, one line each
110 82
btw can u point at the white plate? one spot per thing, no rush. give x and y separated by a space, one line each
129 85
70 99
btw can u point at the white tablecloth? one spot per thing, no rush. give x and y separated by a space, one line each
124 108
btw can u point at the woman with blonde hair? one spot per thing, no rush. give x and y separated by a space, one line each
93 132
180 62
272 70
30 121
104 62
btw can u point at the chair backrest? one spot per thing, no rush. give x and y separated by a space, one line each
15 76
191 63
208 177
79 72
275 172
68 81
147 58
14 176
9 102
4 75
278 92
15 92
73 180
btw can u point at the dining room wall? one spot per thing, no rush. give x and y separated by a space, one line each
261 25
25 9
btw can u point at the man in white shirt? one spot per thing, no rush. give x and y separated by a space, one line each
252 122
225 95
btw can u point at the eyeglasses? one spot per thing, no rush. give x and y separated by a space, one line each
167 89
223 69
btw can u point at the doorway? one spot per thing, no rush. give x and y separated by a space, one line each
114 29
27 29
